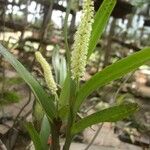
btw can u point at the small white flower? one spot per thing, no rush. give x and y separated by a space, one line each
81 43
47 72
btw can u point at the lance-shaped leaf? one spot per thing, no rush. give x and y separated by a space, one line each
34 136
111 114
100 20
112 72
38 91
45 132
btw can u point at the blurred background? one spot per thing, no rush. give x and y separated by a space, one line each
30 25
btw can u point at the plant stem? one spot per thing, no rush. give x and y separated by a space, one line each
66 33
55 132
68 133
71 116
72 96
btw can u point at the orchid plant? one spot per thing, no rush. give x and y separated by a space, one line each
62 107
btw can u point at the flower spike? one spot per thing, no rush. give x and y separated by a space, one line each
81 43
47 72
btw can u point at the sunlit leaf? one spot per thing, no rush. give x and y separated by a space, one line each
111 114
112 72
100 21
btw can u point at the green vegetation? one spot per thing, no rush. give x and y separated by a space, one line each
62 104
9 97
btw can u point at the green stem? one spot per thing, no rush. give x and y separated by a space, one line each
73 90
71 116
68 133
55 132
66 34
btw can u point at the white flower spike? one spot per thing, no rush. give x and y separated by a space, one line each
82 38
47 72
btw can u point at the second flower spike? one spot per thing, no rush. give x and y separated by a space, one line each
47 72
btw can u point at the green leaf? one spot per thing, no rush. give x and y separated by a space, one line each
63 70
111 73
59 65
38 91
100 21
63 112
8 97
65 92
34 136
111 114
45 132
